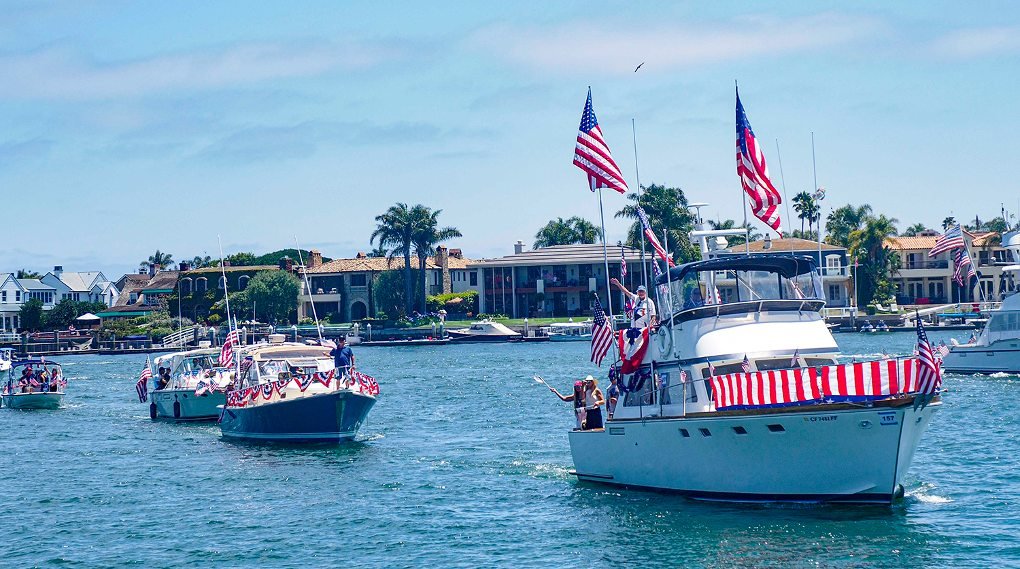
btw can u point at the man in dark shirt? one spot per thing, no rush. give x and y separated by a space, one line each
343 357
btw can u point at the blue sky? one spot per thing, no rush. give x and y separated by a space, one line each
131 126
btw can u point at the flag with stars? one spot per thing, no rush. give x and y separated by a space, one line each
601 334
929 377
745 365
754 174
591 154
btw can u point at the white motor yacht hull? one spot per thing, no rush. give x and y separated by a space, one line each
1000 357
848 455
184 405
37 400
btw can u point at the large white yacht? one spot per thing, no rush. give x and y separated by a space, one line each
196 389
997 349
746 401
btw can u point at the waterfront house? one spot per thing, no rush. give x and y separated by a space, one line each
924 280
342 288
83 286
15 292
834 261
140 294
554 281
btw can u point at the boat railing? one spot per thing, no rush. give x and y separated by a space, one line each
746 307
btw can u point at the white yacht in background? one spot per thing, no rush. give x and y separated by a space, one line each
745 400
484 331
569 331
997 348
196 389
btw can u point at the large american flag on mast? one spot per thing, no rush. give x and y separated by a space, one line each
601 334
227 351
754 174
592 155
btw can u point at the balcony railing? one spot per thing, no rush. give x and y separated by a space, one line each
936 264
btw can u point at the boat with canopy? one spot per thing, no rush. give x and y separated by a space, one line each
35 383
744 397
195 389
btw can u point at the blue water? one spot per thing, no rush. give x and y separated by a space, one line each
464 462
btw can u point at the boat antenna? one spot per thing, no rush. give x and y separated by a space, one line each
304 272
226 298
783 178
640 191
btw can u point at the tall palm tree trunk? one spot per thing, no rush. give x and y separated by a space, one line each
423 281
408 281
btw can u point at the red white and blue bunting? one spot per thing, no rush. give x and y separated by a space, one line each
863 381
266 391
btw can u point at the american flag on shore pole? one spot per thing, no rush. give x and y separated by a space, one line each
960 260
591 154
227 351
601 334
951 239
754 174
142 386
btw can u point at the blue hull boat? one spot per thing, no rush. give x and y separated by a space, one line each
325 418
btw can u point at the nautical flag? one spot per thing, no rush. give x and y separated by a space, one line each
745 365
960 260
683 376
651 237
227 351
754 174
623 264
951 239
633 343
601 334
794 360
592 155
929 378
142 387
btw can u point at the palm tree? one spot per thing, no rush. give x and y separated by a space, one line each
805 207
666 209
378 252
395 231
948 222
914 230
567 232
159 259
732 240
877 261
427 236
843 221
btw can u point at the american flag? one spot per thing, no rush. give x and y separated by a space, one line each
746 365
952 239
794 360
227 351
592 155
754 174
142 387
367 383
960 260
623 264
942 350
929 378
202 388
246 364
683 376
651 237
601 334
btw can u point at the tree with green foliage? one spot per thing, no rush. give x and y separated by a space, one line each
427 237
241 259
395 230
31 315
667 213
843 221
274 292
27 274
807 208
159 258
732 240
275 257
455 303
996 224
914 230
64 313
571 231
948 222
388 292
878 263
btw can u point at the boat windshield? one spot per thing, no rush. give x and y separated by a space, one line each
194 364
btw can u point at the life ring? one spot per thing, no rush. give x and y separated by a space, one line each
665 340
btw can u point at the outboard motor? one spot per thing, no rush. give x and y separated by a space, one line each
177 408
152 410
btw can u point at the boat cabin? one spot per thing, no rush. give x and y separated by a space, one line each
187 367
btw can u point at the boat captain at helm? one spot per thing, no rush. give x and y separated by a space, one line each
644 308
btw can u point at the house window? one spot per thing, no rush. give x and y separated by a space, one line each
17 296
834 292
474 278
242 282
358 279
3 296
133 297
221 283
201 284
185 286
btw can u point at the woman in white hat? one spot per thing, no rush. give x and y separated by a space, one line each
593 402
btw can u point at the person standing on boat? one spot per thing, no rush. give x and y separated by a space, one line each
593 402
644 309
612 395
578 398
343 356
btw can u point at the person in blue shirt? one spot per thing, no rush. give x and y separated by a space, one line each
343 357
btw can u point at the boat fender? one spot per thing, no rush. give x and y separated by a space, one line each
152 410
665 340
177 408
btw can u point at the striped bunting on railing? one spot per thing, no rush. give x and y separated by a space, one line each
861 381
240 398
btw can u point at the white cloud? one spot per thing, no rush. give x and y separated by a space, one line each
592 47
59 73
977 42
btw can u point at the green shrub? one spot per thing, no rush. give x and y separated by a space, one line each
454 302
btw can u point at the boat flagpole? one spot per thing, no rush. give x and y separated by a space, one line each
783 178
304 272
605 259
637 177
226 299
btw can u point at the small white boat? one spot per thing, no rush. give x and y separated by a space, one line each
484 331
6 360
33 384
196 388
997 348
569 331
